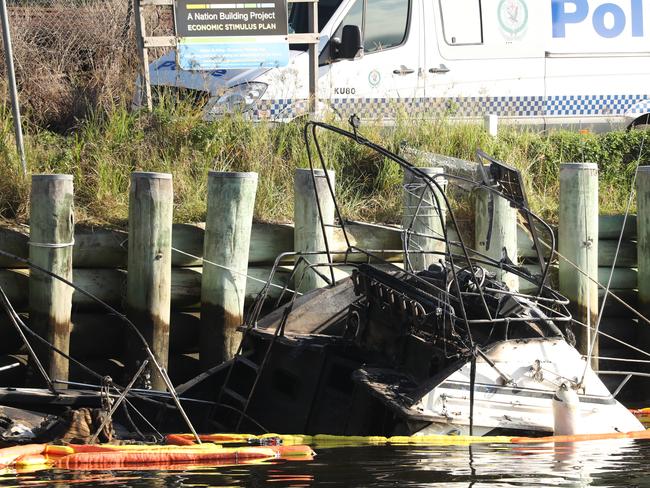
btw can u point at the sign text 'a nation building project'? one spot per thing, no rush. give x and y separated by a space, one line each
224 35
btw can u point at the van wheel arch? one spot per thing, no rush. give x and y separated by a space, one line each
641 123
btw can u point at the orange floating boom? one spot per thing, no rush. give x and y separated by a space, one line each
643 434
8 455
27 460
118 458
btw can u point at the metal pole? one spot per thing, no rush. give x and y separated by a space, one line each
117 403
313 59
32 354
13 91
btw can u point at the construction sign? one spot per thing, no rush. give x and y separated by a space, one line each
224 35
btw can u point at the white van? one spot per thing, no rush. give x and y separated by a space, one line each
542 62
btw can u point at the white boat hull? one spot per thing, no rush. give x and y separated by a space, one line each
516 393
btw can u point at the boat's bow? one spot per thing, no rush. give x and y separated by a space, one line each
516 382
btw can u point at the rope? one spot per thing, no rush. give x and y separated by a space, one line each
51 245
624 360
604 334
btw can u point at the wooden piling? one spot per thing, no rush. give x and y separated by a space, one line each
308 234
578 242
231 201
421 219
51 226
642 339
502 235
148 298
643 243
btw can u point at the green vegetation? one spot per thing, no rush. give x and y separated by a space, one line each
105 148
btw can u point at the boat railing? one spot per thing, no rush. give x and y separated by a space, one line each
628 375
302 266
498 179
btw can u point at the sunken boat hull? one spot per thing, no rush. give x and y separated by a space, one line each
371 356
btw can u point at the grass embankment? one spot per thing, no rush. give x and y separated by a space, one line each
103 150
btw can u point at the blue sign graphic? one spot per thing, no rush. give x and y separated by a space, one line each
224 35
231 53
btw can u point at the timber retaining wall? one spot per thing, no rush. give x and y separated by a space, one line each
99 266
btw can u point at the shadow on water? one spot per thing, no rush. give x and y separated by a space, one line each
598 463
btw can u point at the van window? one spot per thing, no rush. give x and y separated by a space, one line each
384 25
461 22
299 15
353 17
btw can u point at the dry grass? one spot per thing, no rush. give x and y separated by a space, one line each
71 57
76 67
107 146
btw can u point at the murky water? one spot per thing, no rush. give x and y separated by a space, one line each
597 463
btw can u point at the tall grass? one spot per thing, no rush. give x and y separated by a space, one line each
106 147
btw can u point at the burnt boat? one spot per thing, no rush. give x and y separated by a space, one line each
390 351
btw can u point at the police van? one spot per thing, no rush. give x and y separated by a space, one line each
537 62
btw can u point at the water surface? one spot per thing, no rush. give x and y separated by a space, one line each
596 463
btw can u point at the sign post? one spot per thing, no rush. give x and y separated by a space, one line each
145 80
225 35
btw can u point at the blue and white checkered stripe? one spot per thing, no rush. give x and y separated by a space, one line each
592 105
515 106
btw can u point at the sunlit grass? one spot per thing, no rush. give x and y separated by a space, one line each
106 147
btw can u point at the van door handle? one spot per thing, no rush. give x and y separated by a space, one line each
403 70
440 69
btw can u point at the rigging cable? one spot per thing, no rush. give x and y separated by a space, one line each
611 272
126 320
609 293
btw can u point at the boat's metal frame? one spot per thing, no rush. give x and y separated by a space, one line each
465 268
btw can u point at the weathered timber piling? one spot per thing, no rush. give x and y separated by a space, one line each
421 220
231 201
311 193
51 226
148 299
643 243
578 244
495 232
